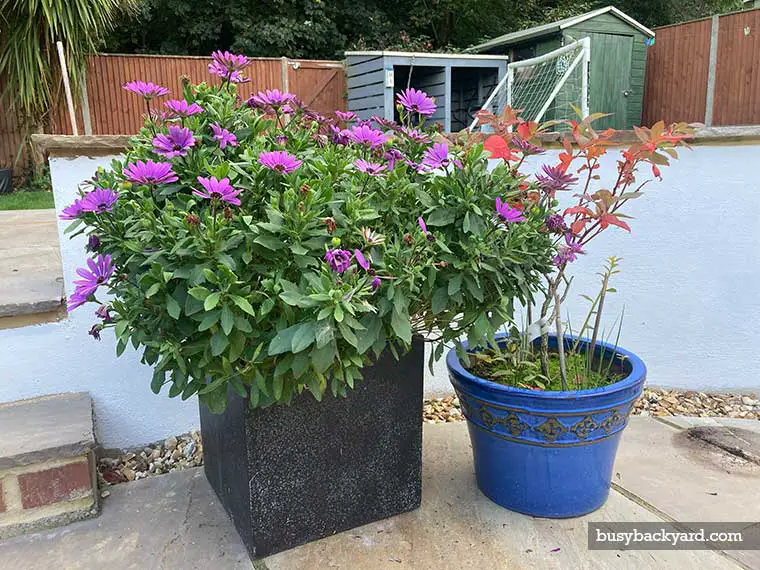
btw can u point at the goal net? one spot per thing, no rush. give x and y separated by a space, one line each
546 87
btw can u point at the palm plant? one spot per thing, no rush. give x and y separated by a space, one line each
29 69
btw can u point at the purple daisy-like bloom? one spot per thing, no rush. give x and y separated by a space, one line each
507 213
526 147
361 260
339 136
415 136
367 136
569 252
100 200
97 272
383 122
281 140
371 168
224 136
150 172
416 101
393 156
147 90
228 66
554 179
103 312
93 243
273 98
73 211
181 108
280 161
346 116
555 223
437 156
338 259
422 224
220 190
175 143
94 331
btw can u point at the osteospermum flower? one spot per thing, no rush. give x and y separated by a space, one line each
346 116
224 136
416 101
367 136
371 237
273 98
73 211
280 161
422 224
437 156
507 213
371 168
219 190
181 108
97 272
339 136
415 136
555 223
99 200
147 90
393 155
569 252
338 259
228 66
149 172
526 147
175 143
361 260
554 179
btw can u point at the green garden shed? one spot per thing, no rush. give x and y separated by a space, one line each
617 62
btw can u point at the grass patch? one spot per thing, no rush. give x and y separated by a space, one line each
26 201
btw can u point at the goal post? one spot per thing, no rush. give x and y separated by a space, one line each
547 86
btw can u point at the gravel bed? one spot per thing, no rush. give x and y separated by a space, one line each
187 450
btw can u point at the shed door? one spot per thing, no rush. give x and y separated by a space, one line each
610 81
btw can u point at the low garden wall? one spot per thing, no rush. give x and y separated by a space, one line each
688 284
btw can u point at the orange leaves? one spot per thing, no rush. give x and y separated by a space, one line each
527 130
612 220
499 148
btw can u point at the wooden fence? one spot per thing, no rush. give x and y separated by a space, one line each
706 71
320 84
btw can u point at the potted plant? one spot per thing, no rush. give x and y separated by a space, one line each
545 411
284 267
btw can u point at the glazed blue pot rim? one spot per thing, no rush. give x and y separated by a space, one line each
638 371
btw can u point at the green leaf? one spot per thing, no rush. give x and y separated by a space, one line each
199 293
209 320
304 337
172 307
322 358
212 301
324 333
401 326
228 320
283 341
152 290
243 304
338 313
442 217
218 343
277 387
237 345
266 307
348 335
455 284
269 242
440 300
213 386
159 379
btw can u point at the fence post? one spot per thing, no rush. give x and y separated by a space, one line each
86 117
713 63
284 74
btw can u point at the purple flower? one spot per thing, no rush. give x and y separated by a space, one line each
555 223
554 179
274 99
97 272
338 259
220 190
393 155
181 108
526 147
103 312
72 212
415 136
224 136
507 213
94 332
422 224
437 156
346 116
175 143
361 260
93 243
383 122
149 172
339 136
375 283
99 200
147 90
280 161
371 168
228 66
567 253
416 101
281 140
365 135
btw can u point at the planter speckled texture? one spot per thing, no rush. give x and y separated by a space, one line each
288 475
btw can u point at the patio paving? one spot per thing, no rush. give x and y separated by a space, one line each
175 521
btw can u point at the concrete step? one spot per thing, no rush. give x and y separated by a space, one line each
47 463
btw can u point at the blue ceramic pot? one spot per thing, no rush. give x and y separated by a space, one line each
547 454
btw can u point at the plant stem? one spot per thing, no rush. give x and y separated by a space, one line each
598 319
560 341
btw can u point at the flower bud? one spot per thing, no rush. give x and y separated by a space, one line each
330 224
227 213
408 239
304 189
193 220
336 241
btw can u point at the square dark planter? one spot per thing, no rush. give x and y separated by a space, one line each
288 475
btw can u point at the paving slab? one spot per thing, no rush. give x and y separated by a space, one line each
31 275
49 427
686 422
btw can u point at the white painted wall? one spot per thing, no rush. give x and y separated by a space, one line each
689 284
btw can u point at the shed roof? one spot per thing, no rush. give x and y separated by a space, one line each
558 26
424 55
